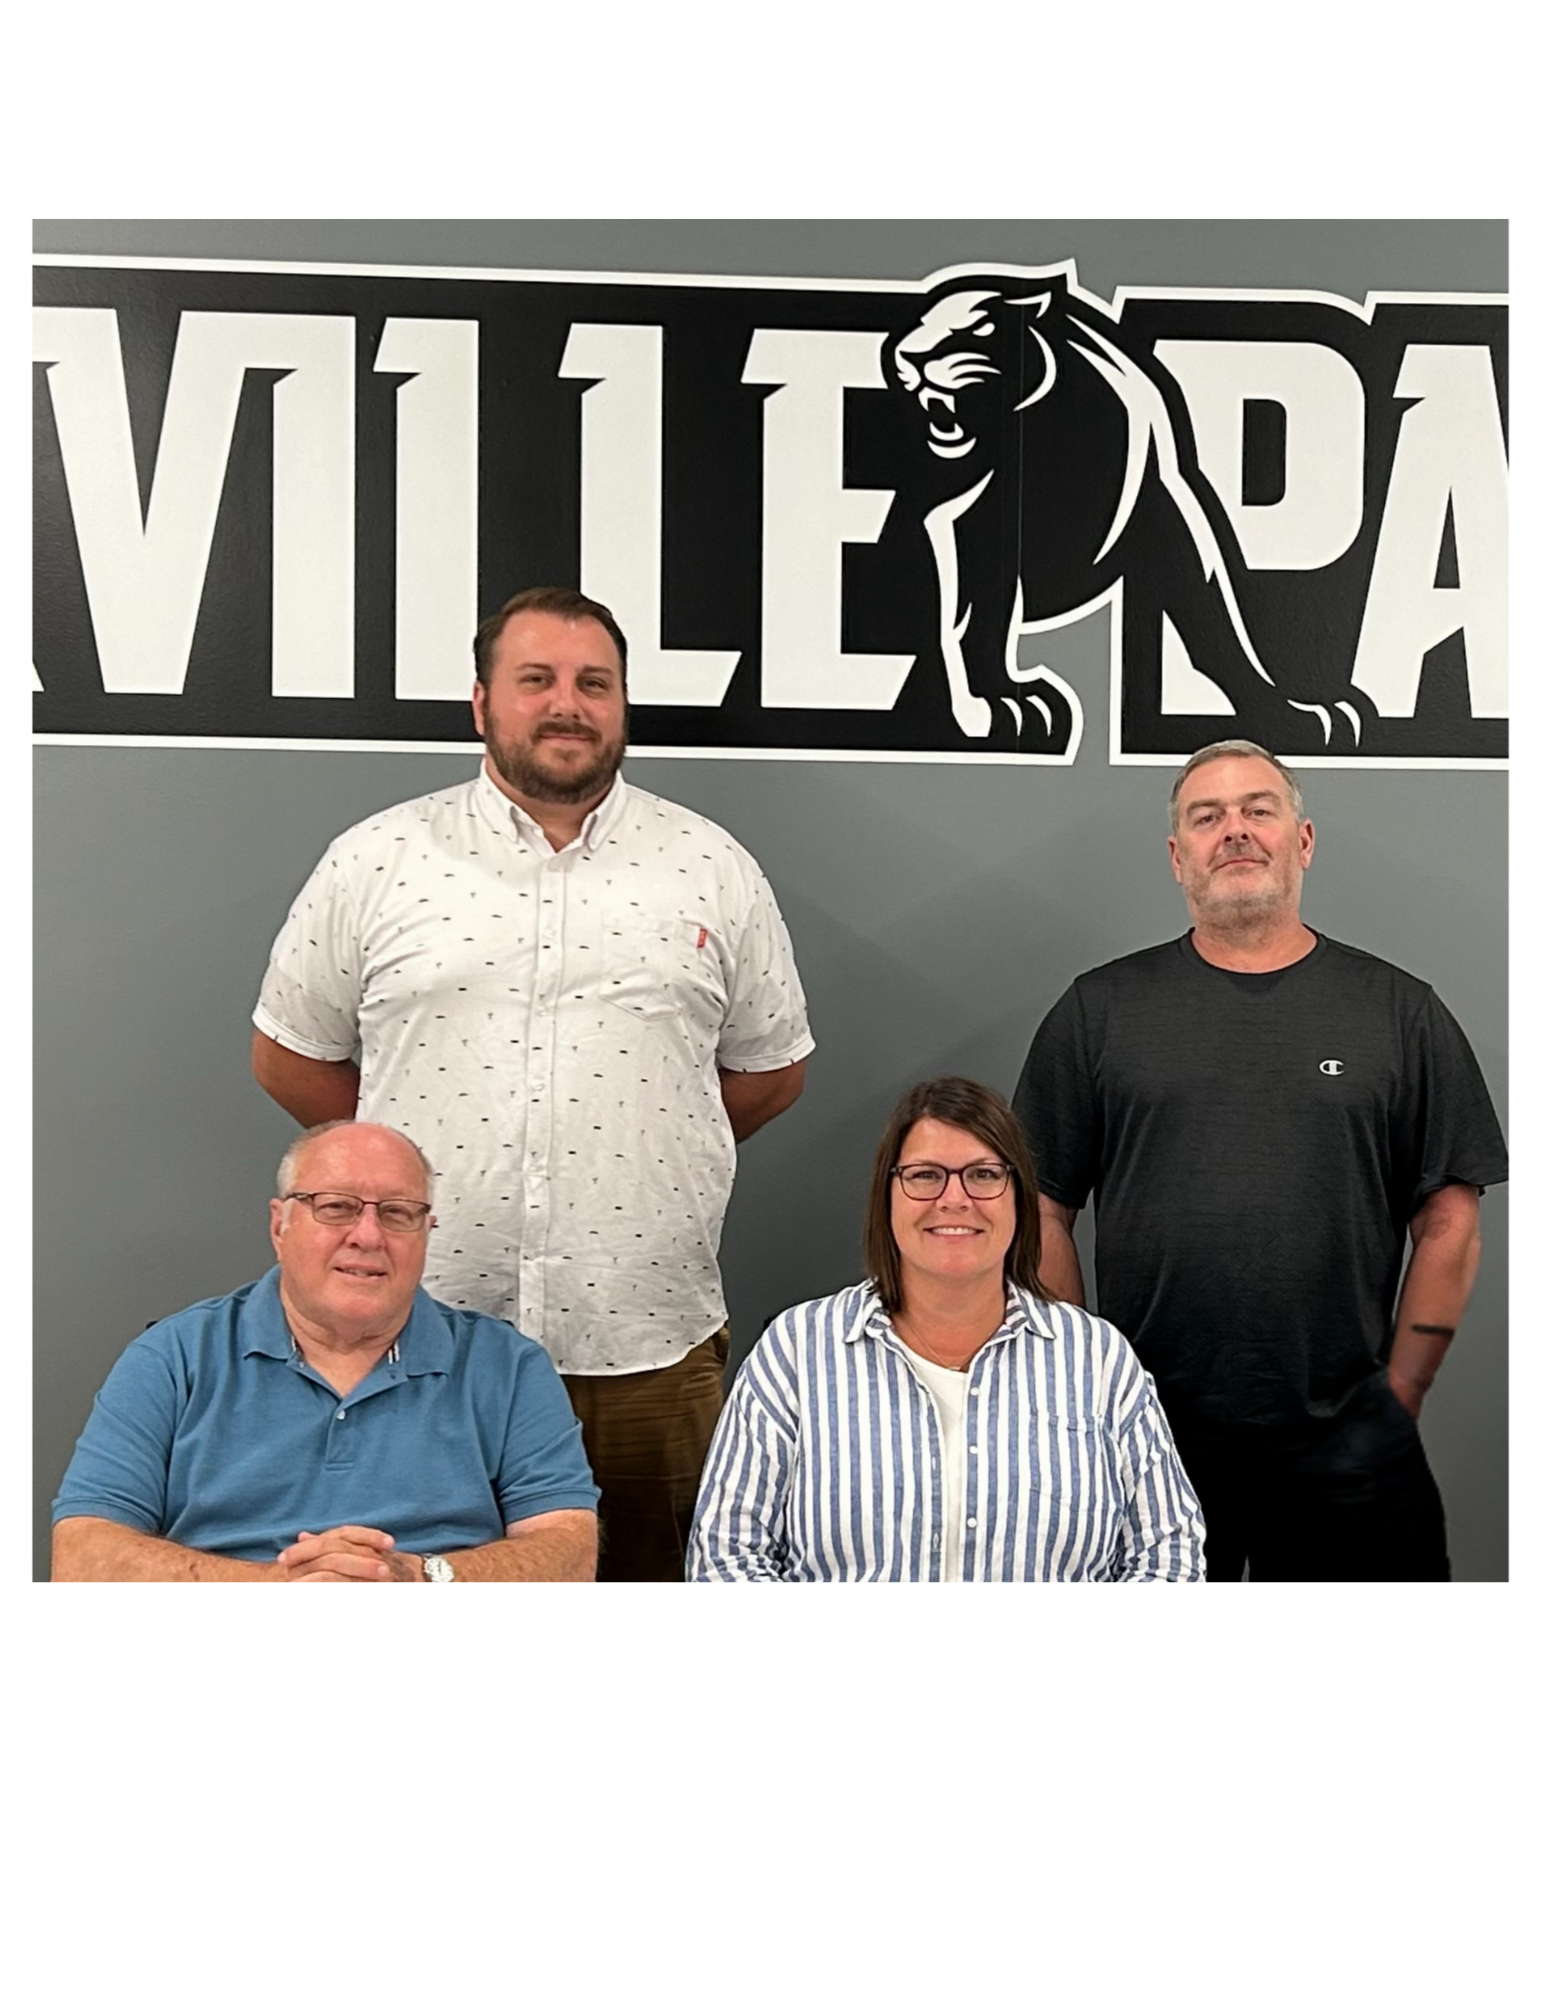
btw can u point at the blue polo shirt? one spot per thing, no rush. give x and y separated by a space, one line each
212 1432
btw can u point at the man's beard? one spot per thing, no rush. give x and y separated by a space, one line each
1245 908
518 767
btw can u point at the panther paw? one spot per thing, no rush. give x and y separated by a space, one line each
1038 719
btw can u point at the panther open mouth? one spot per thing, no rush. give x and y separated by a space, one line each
947 436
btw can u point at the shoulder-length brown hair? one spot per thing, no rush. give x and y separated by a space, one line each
953 1100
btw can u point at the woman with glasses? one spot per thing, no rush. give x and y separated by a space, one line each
944 1420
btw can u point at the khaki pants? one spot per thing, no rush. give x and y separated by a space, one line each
646 1437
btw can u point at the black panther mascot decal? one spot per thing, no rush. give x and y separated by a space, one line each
1060 463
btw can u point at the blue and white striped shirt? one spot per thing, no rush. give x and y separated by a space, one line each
827 1464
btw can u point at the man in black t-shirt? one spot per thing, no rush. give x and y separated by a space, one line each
1264 1117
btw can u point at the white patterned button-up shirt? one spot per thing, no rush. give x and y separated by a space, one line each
828 1462
549 1027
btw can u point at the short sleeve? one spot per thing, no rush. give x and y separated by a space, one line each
1456 1137
765 1026
121 1462
311 992
1057 1104
543 1466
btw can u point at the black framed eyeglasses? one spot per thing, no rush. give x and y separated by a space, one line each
983 1180
340 1211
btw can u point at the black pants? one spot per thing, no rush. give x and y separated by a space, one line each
1343 1499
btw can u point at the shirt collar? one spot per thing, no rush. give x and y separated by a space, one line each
264 1329
424 1346
598 826
1024 1315
1028 1314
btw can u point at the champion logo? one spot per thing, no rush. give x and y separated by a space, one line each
1330 1067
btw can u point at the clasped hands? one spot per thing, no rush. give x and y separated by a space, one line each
347 1555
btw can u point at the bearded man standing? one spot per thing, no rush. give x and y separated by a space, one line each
579 998
1264 1117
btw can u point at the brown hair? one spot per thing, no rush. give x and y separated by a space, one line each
953 1100
561 602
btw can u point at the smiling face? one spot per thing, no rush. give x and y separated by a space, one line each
1238 851
352 1284
552 714
955 1236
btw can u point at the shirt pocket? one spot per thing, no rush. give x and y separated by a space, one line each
1074 1463
660 961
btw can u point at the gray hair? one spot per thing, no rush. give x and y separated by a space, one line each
1234 746
289 1166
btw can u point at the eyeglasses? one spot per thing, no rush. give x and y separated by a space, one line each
339 1211
983 1180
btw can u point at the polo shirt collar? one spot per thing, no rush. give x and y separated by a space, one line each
424 1346
264 1328
598 826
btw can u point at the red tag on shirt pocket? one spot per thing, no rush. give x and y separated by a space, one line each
702 937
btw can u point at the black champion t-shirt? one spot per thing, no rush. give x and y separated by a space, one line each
1257 1144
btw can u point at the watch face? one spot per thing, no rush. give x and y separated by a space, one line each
438 1570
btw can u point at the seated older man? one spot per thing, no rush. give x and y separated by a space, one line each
331 1423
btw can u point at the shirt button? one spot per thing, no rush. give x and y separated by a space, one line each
973 1451
971 1523
341 1415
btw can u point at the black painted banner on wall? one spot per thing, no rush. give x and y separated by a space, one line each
271 504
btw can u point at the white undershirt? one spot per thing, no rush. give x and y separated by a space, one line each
947 1387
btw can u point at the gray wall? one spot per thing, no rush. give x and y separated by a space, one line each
936 911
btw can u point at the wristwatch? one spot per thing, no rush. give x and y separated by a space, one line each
438 1570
